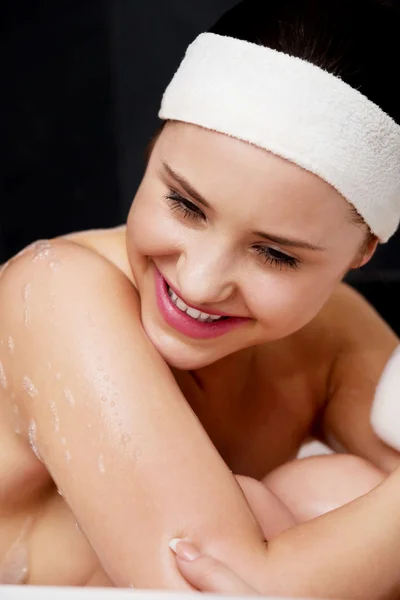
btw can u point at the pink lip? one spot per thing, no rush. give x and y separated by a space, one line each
185 324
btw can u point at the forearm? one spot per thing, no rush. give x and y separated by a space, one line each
351 552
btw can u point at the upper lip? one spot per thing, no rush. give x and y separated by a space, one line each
217 313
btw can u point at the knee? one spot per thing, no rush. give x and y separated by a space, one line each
315 485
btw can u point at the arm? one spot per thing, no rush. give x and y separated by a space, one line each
350 553
366 344
112 426
132 496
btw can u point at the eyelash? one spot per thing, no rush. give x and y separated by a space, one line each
188 210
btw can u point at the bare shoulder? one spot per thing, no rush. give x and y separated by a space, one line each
361 343
109 243
56 290
353 322
347 344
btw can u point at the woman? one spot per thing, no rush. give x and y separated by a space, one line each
216 314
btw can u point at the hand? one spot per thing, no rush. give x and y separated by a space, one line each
207 574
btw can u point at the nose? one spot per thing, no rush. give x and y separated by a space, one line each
205 275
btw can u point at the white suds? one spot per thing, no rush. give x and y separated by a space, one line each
28 387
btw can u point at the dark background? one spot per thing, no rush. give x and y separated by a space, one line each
82 83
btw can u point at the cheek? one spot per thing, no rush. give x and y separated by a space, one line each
152 230
286 302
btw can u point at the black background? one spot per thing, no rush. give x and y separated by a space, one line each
81 88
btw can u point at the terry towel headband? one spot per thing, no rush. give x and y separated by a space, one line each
297 111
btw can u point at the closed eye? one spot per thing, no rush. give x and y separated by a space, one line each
276 258
181 205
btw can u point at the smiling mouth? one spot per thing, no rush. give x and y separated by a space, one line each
195 314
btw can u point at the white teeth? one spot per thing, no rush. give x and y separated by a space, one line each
181 305
192 312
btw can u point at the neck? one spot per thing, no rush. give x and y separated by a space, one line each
225 378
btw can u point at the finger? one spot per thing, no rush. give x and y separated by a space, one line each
206 573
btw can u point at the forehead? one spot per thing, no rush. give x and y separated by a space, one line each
223 168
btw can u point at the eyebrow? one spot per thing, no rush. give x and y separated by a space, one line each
189 189
283 241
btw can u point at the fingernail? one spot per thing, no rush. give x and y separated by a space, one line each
184 549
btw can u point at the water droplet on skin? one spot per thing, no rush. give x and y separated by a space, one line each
67 455
26 292
56 420
63 441
55 265
103 399
14 567
69 397
26 317
58 376
112 403
32 436
49 366
42 250
3 378
17 428
28 387
59 492
10 344
100 464
126 438
100 368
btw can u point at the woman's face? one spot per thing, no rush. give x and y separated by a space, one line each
236 231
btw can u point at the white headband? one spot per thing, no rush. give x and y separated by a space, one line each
297 111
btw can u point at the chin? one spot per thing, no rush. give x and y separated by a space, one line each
181 355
